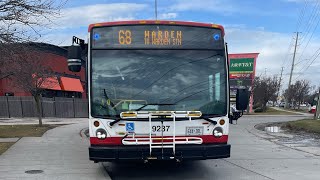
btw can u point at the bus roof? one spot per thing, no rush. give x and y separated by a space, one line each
197 24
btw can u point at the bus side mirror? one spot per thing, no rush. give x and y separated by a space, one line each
74 58
242 99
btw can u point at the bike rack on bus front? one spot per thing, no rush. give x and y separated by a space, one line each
161 142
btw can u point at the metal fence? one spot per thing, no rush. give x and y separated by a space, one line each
15 106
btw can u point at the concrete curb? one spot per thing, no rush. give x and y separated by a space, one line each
4 140
272 137
82 133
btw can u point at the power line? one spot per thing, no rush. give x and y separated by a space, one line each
300 18
287 52
307 67
302 13
309 26
315 27
313 16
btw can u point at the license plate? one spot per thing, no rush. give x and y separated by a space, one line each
194 131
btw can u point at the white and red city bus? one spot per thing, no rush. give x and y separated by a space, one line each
157 90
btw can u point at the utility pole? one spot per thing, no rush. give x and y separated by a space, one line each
292 66
156 9
280 81
265 72
317 114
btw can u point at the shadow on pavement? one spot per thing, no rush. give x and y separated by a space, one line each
155 170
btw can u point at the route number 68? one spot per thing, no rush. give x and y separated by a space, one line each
124 37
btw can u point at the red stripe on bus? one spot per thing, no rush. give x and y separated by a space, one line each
207 139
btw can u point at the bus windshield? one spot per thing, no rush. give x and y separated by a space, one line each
156 80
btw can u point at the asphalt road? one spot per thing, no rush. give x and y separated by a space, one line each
252 157
62 154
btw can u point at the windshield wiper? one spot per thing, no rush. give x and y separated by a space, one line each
153 104
207 118
115 121
116 118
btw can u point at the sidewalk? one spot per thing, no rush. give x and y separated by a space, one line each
14 121
301 113
60 153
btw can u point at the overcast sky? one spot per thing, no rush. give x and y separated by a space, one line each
266 27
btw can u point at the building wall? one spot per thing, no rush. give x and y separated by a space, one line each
57 62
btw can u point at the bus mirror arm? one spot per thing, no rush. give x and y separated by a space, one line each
235 116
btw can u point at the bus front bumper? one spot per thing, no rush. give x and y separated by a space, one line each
183 152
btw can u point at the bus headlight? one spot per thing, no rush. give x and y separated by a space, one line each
217 132
101 134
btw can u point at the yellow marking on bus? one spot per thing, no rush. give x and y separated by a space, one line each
171 22
96 25
157 22
142 22
215 26
129 115
194 114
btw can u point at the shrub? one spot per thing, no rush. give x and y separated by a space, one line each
256 106
258 110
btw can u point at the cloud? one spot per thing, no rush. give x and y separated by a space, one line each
63 38
85 15
225 8
168 15
74 21
273 49
219 6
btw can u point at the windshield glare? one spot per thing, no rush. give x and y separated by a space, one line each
171 80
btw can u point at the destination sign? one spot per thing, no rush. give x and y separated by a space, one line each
156 36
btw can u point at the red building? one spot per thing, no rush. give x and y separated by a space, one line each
68 84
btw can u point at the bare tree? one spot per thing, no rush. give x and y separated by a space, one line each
6 61
32 74
297 92
302 89
289 94
22 21
264 90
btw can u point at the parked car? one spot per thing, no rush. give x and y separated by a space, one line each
282 104
303 105
312 109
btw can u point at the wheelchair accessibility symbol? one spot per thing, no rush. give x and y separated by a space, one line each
130 127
